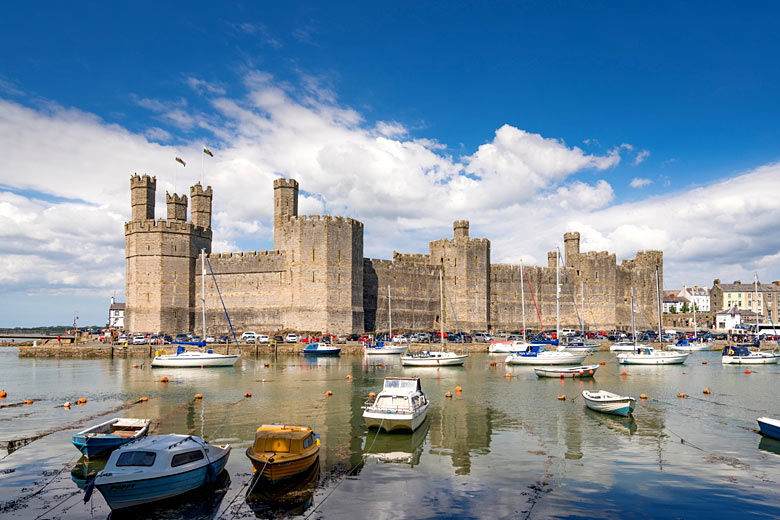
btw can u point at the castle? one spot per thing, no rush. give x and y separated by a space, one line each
317 279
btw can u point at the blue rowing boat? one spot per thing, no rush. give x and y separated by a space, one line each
105 437
769 427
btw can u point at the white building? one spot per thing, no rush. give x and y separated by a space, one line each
672 304
699 296
116 315
730 318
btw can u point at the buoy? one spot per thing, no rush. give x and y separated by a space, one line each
372 395
603 363
747 371
380 365
248 394
703 362
144 399
349 377
707 391
582 372
458 389
590 371
3 394
66 404
198 396
680 394
448 394
509 374
81 400
164 379
683 373
28 401
329 393
643 396
437 377
492 363
266 365
562 376
561 397
624 373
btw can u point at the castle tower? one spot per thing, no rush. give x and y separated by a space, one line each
142 196
466 263
571 242
285 206
160 262
201 206
177 206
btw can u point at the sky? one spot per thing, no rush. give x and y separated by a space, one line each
642 126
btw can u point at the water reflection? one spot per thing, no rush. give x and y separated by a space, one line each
199 504
620 425
397 447
85 470
770 445
287 497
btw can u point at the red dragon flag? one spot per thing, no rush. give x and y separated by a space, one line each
181 161
207 152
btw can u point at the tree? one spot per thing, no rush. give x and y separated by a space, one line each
684 308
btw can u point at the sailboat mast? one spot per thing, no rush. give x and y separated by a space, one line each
583 308
203 290
441 298
633 326
522 298
557 294
658 294
755 283
389 312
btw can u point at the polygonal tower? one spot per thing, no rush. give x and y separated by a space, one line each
285 207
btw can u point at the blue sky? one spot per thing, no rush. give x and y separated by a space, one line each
684 95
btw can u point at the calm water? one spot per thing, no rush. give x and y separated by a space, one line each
504 448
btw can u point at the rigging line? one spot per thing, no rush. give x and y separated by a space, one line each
234 499
449 298
683 441
259 475
348 472
223 304
533 299
572 293
58 504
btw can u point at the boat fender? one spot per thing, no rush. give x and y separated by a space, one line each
165 352
590 371
88 490
211 474
156 353
372 395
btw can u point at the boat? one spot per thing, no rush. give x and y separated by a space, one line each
743 355
580 346
401 405
321 349
107 436
284 498
184 358
683 345
157 467
581 371
283 451
381 348
201 358
435 358
506 347
538 355
650 356
769 427
625 346
607 402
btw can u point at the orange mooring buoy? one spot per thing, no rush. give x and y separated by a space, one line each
81 400
3 394
329 393
448 394
28 401
703 362
680 394
747 371
266 365
198 396
164 379
135 365
144 399
624 373
707 391
349 377
603 363
509 374
492 363
643 396
458 389
380 365
561 397
372 395
248 394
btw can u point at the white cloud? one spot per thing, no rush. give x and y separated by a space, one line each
516 189
200 85
640 182
641 156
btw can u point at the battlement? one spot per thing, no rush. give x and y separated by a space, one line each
443 242
413 258
316 219
175 198
197 189
177 206
285 183
166 226
143 181
243 254
241 262
461 229
400 266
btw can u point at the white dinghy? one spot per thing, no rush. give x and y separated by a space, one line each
607 402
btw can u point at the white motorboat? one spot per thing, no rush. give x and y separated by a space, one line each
563 372
743 355
650 356
506 347
382 348
401 405
685 346
625 346
433 359
193 359
607 402
537 355
580 346
158 467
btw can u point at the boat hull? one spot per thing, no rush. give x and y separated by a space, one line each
582 371
410 361
395 421
283 470
129 493
648 359
622 406
769 427
172 361
380 351
322 351
93 442
690 348
573 359
749 360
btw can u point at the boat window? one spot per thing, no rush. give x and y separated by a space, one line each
185 458
307 442
392 383
278 445
136 458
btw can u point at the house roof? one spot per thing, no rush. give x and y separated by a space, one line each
116 307
749 287
734 310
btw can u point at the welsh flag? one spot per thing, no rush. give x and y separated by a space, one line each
207 152
181 161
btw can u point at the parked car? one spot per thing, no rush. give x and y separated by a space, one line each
291 338
262 338
400 338
224 339
482 337
249 336
166 339
181 337
140 339
210 339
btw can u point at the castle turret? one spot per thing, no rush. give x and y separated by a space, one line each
571 243
142 190
177 206
461 229
201 206
285 206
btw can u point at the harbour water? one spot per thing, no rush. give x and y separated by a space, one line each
505 447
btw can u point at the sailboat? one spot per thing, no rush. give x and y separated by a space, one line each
435 358
380 347
647 355
628 346
536 354
743 355
506 347
581 345
192 359
699 344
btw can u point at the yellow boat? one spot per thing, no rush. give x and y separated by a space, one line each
281 452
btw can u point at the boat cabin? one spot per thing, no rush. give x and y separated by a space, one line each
736 350
277 438
399 394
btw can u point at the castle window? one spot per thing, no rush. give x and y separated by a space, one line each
312 276
456 262
312 254
339 277
339 255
